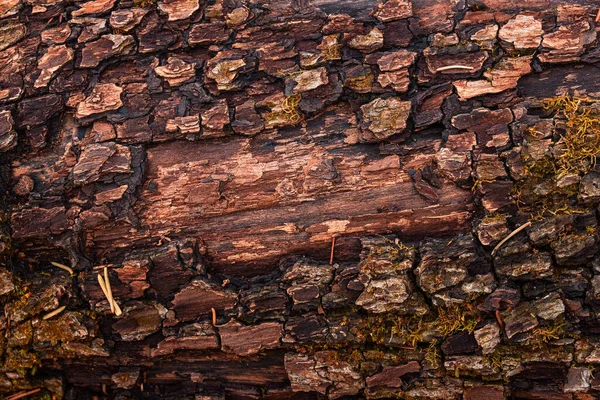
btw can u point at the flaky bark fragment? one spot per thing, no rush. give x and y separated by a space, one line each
103 98
52 61
178 9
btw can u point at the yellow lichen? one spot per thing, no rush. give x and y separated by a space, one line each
360 82
286 113
332 52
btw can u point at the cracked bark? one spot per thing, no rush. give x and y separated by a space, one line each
208 154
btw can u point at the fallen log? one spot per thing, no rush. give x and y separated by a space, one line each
299 199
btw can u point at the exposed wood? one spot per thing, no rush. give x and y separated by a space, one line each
299 199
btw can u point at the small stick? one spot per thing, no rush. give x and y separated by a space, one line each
20 395
63 266
214 316
332 250
109 290
100 267
447 67
115 306
510 235
55 312
598 16
117 309
102 286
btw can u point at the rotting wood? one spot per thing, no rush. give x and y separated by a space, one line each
284 192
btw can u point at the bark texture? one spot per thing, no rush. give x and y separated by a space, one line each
300 199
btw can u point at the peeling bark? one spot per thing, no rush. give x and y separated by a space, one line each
299 199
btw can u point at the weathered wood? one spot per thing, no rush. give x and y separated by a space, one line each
299 199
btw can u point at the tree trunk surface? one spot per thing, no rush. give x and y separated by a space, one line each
299 199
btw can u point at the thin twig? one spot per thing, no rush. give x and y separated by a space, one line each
114 305
63 266
510 235
447 67
109 291
20 395
214 316
55 312
598 16
332 250
101 267
117 308
103 286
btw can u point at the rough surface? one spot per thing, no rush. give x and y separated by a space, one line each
300 199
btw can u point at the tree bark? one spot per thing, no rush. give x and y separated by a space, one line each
299 199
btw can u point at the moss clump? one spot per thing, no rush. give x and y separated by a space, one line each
494 217
431 354
410 330
394 251
580 144
458 318
494 359
390 330
543 335
574 152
